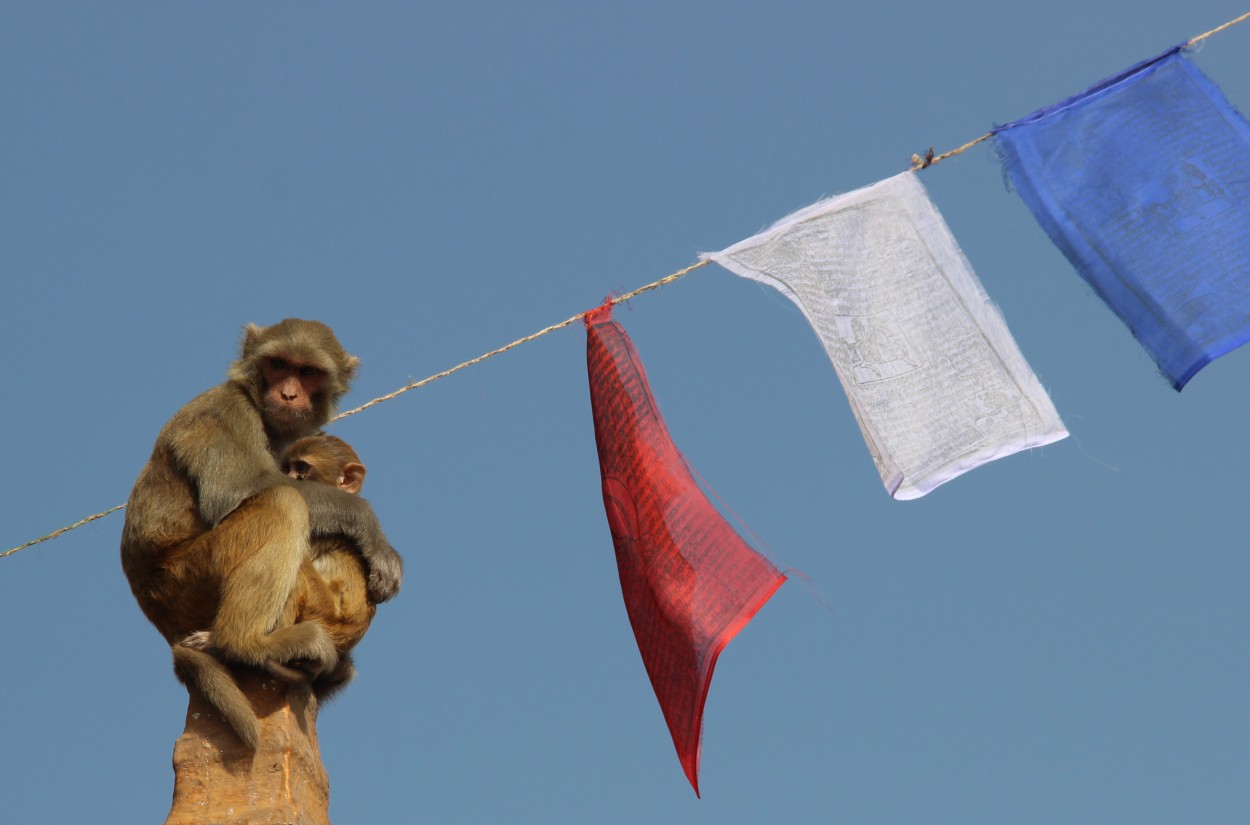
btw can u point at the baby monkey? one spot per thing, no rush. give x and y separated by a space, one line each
331 589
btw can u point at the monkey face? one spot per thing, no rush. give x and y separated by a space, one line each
290 388
326 459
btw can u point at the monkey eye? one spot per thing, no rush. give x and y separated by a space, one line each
309 371
302 468
279 364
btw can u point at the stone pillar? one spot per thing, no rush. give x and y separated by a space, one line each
220 781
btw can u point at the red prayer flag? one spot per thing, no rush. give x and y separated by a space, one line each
689 580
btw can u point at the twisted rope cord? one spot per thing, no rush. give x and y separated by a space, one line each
667 279
918 162
65 529
926 160
1217 30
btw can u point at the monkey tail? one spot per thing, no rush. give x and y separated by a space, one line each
206 673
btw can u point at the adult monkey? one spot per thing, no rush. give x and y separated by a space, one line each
215 534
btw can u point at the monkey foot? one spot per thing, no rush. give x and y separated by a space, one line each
199 640
297 671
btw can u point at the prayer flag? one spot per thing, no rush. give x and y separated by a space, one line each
1143 181
689 581
932 374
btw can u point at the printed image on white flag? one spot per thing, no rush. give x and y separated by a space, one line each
933 376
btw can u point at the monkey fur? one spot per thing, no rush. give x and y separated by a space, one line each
216 535
331 588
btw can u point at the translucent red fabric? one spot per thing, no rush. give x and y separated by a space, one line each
689 580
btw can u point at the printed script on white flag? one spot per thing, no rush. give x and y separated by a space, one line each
933 376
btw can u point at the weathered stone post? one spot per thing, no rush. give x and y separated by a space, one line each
219 781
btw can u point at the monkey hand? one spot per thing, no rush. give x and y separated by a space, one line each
334 512
386 570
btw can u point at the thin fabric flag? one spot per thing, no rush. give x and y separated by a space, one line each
689 580
932 374
1143 181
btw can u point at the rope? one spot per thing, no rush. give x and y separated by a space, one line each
926 160
66 529
918 162
667 279
1217 29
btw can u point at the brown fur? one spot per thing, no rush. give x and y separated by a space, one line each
215 534
331 587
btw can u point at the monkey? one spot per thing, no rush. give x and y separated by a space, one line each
331 585
215 534
330 589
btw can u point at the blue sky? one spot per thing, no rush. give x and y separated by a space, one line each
1059 636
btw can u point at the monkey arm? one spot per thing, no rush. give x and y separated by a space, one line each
218 443
219 497
333 512
230 475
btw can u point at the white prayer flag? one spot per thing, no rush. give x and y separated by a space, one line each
933 376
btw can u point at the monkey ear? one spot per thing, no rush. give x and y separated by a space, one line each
251 336
353 477
350 366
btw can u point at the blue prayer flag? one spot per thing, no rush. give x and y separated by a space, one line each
1143 181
